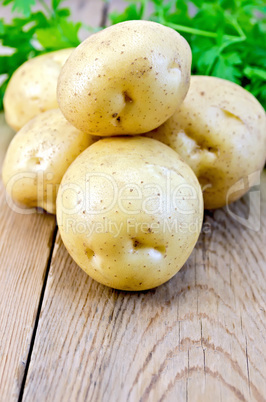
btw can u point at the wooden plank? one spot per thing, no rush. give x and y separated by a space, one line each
87 11
200 337
25 243
25 246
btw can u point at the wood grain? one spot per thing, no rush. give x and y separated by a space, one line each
200 337
25 244
90 12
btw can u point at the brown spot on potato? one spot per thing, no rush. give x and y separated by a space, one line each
127 98
89 252
35 161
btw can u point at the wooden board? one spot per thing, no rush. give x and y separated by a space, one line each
200 337
25 245
26 242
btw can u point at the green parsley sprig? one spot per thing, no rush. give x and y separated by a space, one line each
34 33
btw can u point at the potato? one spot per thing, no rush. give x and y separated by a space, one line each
38 157
126 79
32 88
129 211
220 131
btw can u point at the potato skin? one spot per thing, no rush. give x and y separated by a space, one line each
32 88
38 157
127 79
117 215
220 131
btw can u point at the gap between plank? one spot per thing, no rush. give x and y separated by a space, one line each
105 11
34 332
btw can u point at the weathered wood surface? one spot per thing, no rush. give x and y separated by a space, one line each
26 242
200 337
25 245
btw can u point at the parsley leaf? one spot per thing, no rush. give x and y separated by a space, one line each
21 6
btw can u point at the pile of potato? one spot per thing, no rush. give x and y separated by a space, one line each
129 207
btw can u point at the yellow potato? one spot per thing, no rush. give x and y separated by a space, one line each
126 79
220 131
32 88
129 211
38 157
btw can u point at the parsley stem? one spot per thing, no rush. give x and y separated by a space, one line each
230 39
221 49
199 32
143 9
236 25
